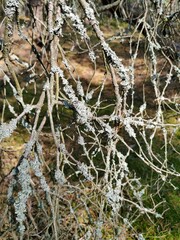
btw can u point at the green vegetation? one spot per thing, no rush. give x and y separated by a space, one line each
106 184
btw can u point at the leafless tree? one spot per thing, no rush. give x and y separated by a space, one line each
67 85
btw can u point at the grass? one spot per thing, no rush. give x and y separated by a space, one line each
12 148
166 228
